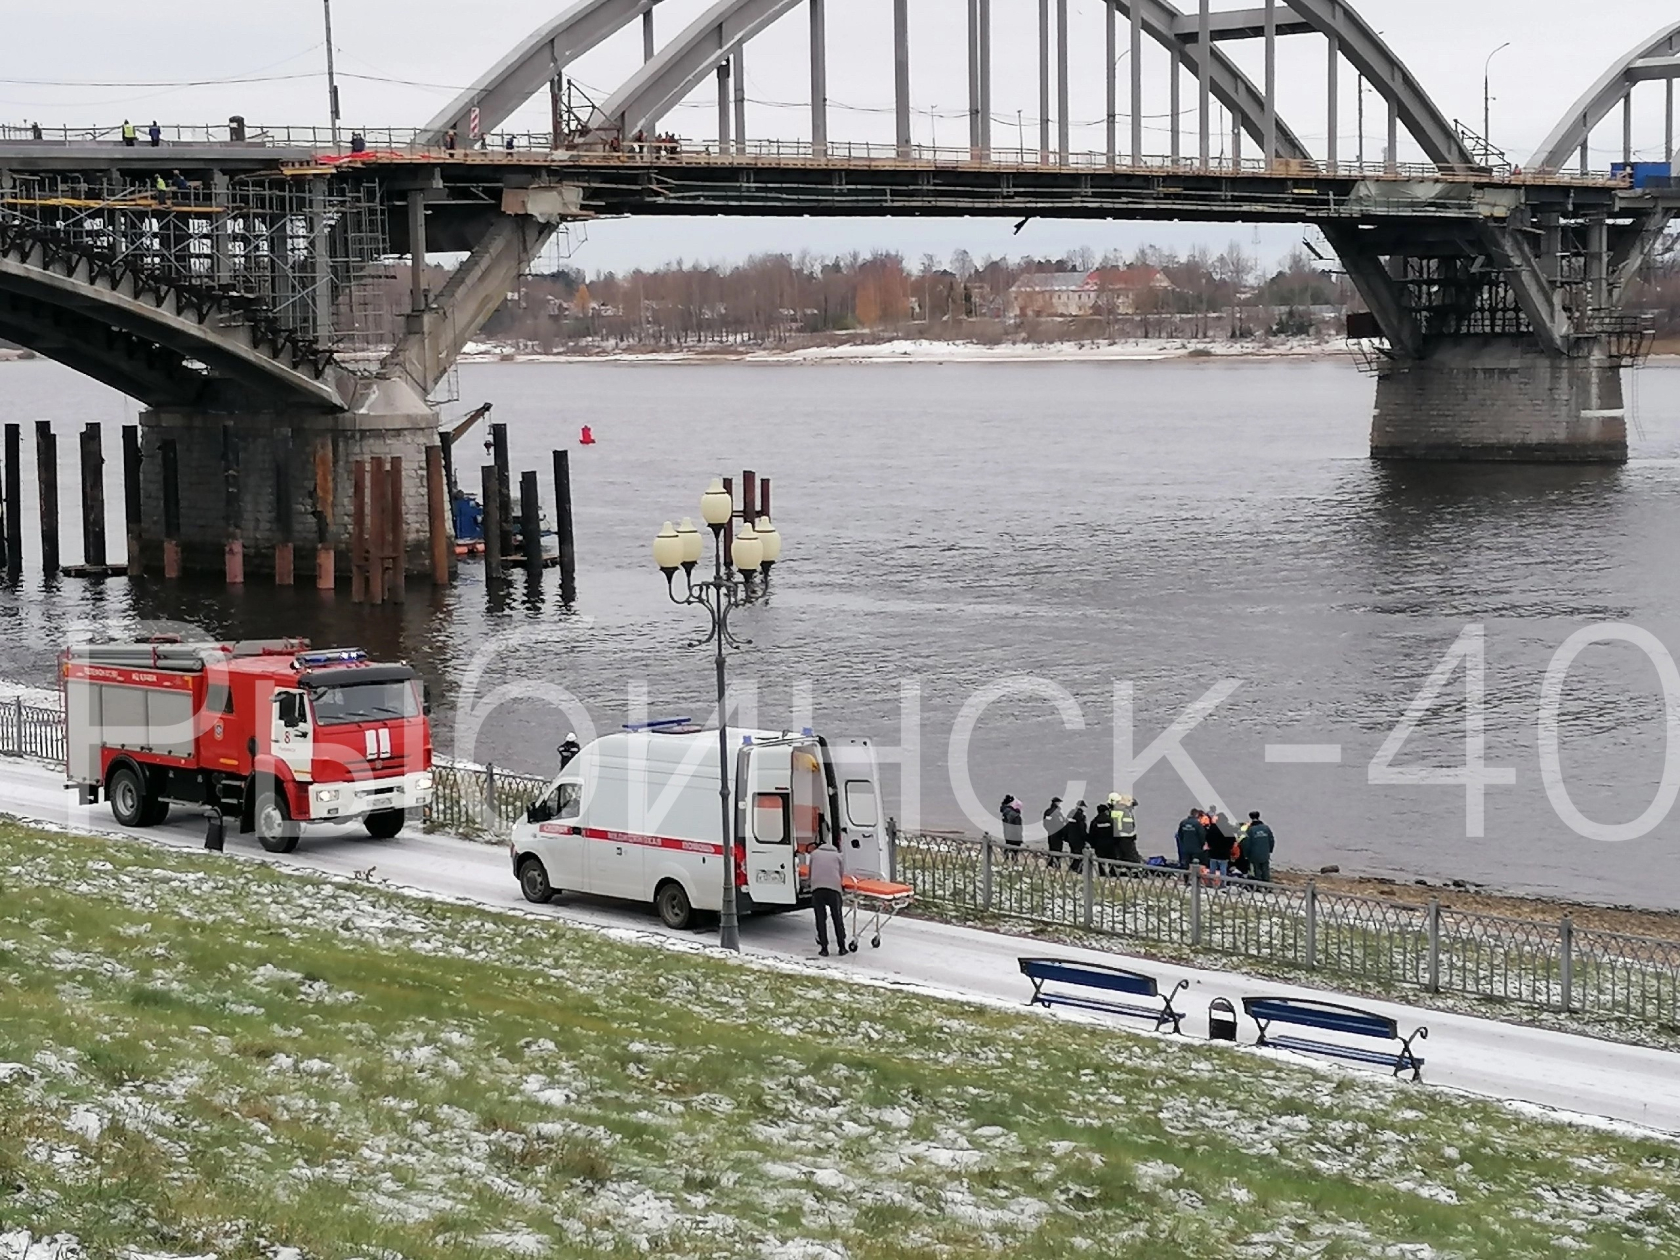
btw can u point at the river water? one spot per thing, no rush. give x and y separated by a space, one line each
1033 535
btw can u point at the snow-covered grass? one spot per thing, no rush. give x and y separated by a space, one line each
200 1057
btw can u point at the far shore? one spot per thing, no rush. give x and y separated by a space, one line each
932 352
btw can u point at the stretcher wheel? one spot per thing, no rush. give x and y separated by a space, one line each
875 943
851 946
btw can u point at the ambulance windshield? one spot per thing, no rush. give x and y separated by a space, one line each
340 704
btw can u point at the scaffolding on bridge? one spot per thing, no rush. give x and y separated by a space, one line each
304 260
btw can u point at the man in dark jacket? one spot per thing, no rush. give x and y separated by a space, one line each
1217 843
1010 815
1055 825
1102 838
1257 845
1192 839
1077 834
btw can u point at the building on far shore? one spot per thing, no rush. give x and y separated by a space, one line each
1075 294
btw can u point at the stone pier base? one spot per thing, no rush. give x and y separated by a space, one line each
391 420
1498 399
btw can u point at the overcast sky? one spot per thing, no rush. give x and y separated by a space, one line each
94 62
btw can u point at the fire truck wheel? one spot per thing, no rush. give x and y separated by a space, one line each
128 797
533 882
675 911
275 831
385 823
155 812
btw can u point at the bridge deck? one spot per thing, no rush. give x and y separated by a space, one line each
788 178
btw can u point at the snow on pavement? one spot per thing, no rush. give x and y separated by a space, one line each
1533 1066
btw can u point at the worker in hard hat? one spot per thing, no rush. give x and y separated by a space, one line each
569 749
1124 821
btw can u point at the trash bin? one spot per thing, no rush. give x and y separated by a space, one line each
236 129
1222 1020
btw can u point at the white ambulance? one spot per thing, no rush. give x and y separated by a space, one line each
637 816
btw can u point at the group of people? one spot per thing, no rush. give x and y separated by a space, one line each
1109 835
1202 841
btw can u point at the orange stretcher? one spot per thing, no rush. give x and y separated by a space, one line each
877 901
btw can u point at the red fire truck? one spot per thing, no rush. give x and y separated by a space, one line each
270 733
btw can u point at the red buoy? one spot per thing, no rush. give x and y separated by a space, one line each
587 437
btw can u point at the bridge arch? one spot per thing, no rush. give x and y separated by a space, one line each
1613 87
670 75
683 65
529 66
1353 37
159 330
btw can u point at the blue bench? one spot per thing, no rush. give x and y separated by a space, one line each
1348 1020
1064 971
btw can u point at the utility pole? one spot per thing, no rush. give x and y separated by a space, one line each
332 80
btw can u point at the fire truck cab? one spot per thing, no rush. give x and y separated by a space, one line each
268 732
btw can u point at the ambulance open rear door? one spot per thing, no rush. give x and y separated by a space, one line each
781 811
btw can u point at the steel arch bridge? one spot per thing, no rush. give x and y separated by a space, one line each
1495 290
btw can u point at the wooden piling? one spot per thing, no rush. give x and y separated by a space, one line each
563 526
131 499
378 504
504 485
93 499
46 479
326 567
358 530
764 497
14 500
283 507
436 515
530 526
171 461
729 525
492 524
749 497
233 554
396 531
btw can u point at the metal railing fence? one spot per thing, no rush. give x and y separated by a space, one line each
1376 940
1432 948
479 800
28 730
415 141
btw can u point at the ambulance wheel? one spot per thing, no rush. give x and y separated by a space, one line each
675 910
276 832
533 882
383 824
128 796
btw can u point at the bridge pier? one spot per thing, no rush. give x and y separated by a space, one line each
392 421
1500 399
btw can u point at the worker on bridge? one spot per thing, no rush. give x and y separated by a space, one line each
129 136
155 133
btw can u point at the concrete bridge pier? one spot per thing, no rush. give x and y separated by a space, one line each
1500 399
390 418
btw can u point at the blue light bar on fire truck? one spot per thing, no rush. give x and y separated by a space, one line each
331 656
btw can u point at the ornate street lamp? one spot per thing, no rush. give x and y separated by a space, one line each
680 547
